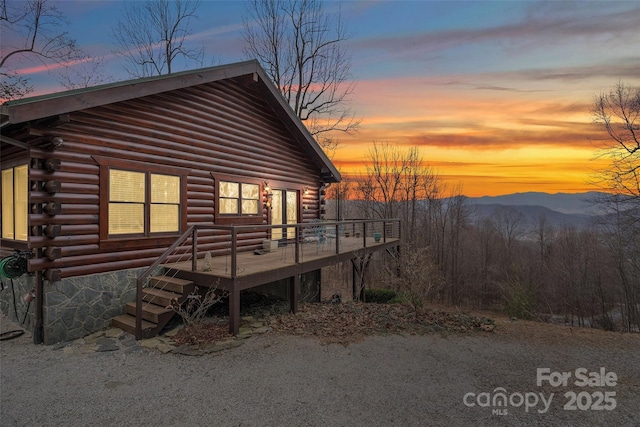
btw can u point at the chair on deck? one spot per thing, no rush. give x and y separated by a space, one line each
316 233
331 235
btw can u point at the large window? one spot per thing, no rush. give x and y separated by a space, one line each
143 203
15 203
238 198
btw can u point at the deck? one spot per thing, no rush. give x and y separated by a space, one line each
254 268
309 248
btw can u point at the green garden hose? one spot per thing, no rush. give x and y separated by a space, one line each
13 266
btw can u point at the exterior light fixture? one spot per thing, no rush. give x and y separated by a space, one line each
268 193
55 142
306 191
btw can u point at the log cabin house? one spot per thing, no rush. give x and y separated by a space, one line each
128 195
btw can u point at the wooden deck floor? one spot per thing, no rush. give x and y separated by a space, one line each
253 269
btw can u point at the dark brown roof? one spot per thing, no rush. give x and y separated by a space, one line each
43 106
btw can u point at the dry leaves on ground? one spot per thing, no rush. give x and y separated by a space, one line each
348 322
202 333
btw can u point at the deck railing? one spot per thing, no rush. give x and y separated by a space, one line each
230 241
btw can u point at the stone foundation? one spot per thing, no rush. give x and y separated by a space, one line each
79 306
73 307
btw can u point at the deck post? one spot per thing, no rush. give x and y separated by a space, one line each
234 311
353 280
194 250
297 245
294 291
364 234
234 253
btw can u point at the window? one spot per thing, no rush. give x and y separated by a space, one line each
143 204
15 203
165 203
135 210
126 202
238 198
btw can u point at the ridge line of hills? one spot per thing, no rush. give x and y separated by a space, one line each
566 203
560 209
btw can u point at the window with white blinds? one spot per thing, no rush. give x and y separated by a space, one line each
15 203
143 203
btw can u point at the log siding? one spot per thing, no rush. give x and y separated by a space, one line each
225 127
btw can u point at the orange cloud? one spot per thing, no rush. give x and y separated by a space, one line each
492 133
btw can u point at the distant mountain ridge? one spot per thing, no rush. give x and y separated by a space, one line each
532 215
565 203
561 209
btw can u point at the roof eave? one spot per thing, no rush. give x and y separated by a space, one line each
38 107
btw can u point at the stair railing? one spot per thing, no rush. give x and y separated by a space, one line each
192 232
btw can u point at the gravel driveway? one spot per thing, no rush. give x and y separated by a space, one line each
280 380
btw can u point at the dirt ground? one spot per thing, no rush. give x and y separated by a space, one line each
290 376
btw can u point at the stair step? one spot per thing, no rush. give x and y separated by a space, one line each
160 297
157 297
171 284
128 323
151 312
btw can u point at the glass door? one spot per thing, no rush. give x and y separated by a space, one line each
284 210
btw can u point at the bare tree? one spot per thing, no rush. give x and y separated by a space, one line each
153 35
619 113
301 47
418 185
543 231
385 170
85 74
510 225
622 236
31 29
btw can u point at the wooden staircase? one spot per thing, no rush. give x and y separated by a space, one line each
156 306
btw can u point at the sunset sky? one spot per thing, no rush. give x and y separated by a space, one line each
495 94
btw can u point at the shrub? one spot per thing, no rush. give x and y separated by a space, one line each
380 296
519 299
194 309
418 277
